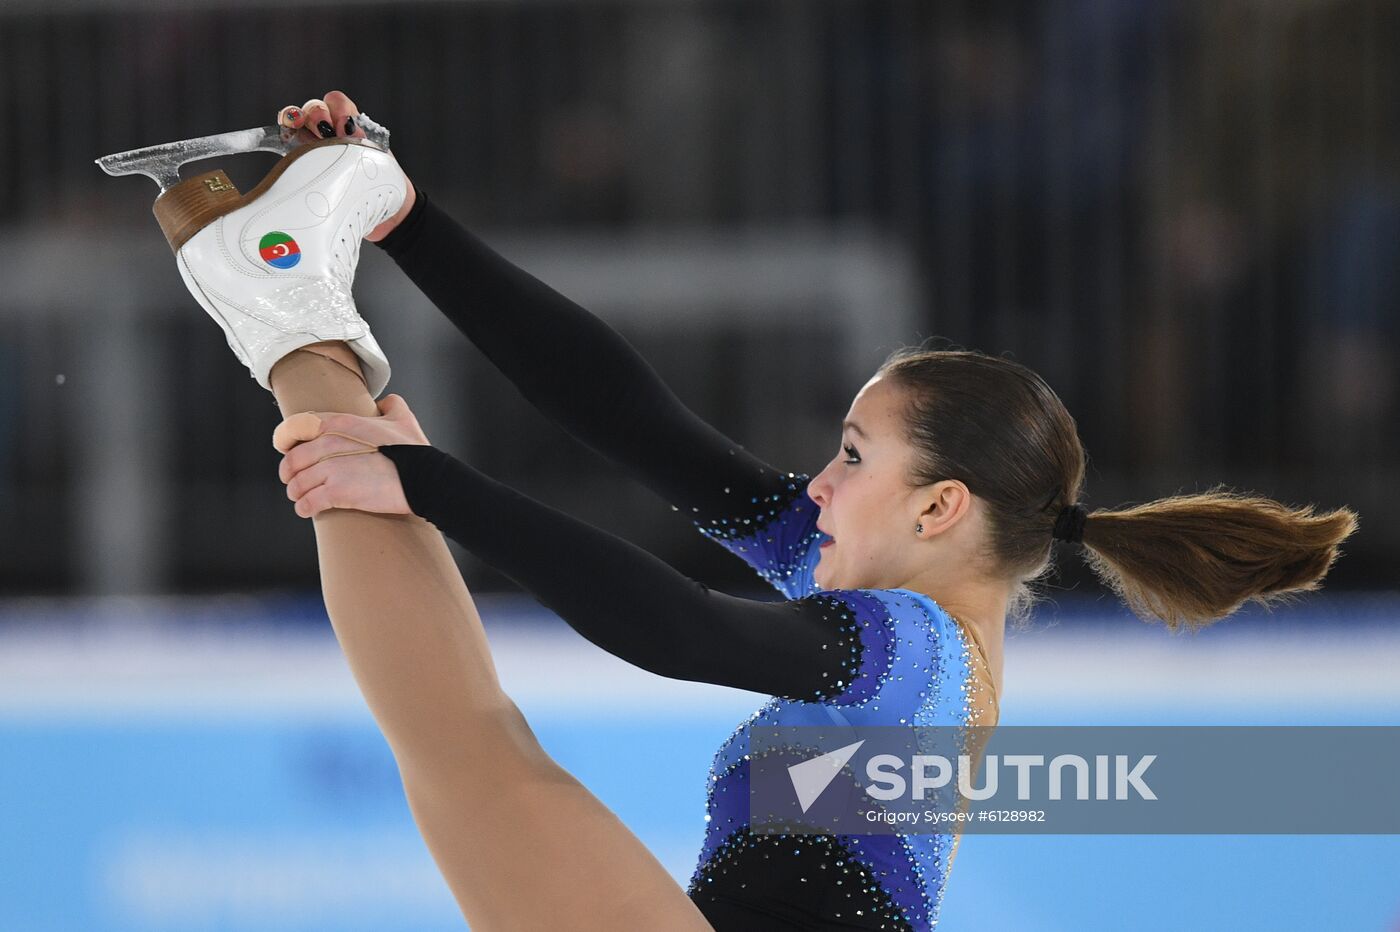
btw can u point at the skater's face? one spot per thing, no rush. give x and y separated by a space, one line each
869 512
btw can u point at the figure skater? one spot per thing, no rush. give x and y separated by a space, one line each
900 561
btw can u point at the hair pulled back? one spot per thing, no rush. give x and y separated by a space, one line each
1188 560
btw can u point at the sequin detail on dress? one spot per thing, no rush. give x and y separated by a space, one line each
777 536
911 664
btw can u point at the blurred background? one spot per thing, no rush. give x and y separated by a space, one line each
1185 215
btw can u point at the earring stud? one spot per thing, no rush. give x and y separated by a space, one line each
919 528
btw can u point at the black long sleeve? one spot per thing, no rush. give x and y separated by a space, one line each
627 601
579 371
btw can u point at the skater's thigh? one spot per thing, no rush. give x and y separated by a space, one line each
525 846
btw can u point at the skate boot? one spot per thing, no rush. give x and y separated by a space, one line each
275 267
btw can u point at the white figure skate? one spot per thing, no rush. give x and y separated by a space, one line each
275 267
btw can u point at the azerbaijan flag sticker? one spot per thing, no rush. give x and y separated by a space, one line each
279 250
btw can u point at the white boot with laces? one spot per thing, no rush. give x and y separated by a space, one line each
275 267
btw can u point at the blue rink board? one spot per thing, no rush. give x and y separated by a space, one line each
282 826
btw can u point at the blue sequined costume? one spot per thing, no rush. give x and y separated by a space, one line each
917 666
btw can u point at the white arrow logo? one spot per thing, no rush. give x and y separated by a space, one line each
811 777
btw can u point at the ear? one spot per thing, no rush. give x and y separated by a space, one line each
944 503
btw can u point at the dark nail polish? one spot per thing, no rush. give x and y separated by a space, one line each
349 126
327 130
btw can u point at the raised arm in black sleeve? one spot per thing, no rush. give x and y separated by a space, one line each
627 601
577 370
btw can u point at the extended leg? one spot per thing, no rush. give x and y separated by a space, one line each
522 844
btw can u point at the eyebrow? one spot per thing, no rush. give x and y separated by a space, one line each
855 427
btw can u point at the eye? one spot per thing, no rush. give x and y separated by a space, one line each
851 452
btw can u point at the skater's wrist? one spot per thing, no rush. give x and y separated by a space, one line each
390 226
408 230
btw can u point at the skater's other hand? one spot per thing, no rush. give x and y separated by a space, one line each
331 461
326 118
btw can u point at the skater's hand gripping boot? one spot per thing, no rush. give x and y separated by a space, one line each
275 267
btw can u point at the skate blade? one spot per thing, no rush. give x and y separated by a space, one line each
162 163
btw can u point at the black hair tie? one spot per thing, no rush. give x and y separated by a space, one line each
1069 526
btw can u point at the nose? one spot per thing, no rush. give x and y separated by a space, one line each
819 490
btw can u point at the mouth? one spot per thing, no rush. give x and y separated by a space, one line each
829 539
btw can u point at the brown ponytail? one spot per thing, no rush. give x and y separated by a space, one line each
1188 560
1193 559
